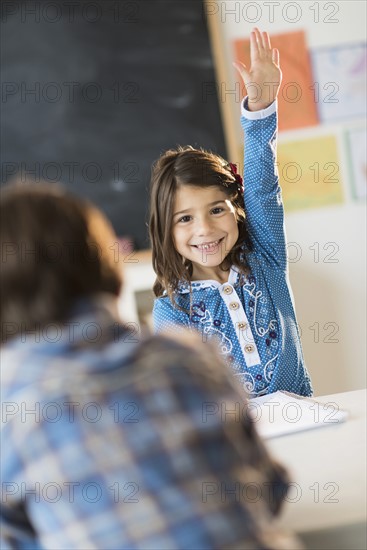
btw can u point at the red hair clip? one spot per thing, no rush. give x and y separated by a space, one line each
233 169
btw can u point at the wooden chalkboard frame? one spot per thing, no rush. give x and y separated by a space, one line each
224 77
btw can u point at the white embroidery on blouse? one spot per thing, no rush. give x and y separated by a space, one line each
206 320
184 288
260 331
247 381
269 369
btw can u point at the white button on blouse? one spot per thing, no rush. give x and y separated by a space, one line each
227 289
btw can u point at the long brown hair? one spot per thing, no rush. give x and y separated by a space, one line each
195 167
55 249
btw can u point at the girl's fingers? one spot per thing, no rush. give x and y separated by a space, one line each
275 56
266 41
260 46
262 42
254 43
259 39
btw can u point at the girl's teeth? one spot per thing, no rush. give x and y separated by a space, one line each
207 246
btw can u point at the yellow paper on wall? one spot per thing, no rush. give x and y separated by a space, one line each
309 172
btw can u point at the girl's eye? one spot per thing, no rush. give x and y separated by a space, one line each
184 219
217 210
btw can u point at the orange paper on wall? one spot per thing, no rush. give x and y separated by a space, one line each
296 97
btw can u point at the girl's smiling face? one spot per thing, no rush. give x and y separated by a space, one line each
204 229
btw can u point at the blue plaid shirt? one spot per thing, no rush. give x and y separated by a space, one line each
253 317
112 443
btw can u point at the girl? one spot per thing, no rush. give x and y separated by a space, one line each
219 251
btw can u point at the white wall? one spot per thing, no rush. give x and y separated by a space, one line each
333 293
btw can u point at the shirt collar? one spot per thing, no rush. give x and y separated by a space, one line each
184 287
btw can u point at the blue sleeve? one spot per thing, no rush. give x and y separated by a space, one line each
166 316
262 195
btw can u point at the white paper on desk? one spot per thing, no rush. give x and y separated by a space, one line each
282 413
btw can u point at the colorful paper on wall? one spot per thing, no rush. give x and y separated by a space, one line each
340 81
357 147
297 107
309 173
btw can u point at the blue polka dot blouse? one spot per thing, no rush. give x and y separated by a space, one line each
252 317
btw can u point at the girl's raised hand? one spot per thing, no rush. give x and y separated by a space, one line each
263 79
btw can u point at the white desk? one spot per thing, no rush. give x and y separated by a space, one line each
328 468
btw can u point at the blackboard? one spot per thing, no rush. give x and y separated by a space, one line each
94 92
